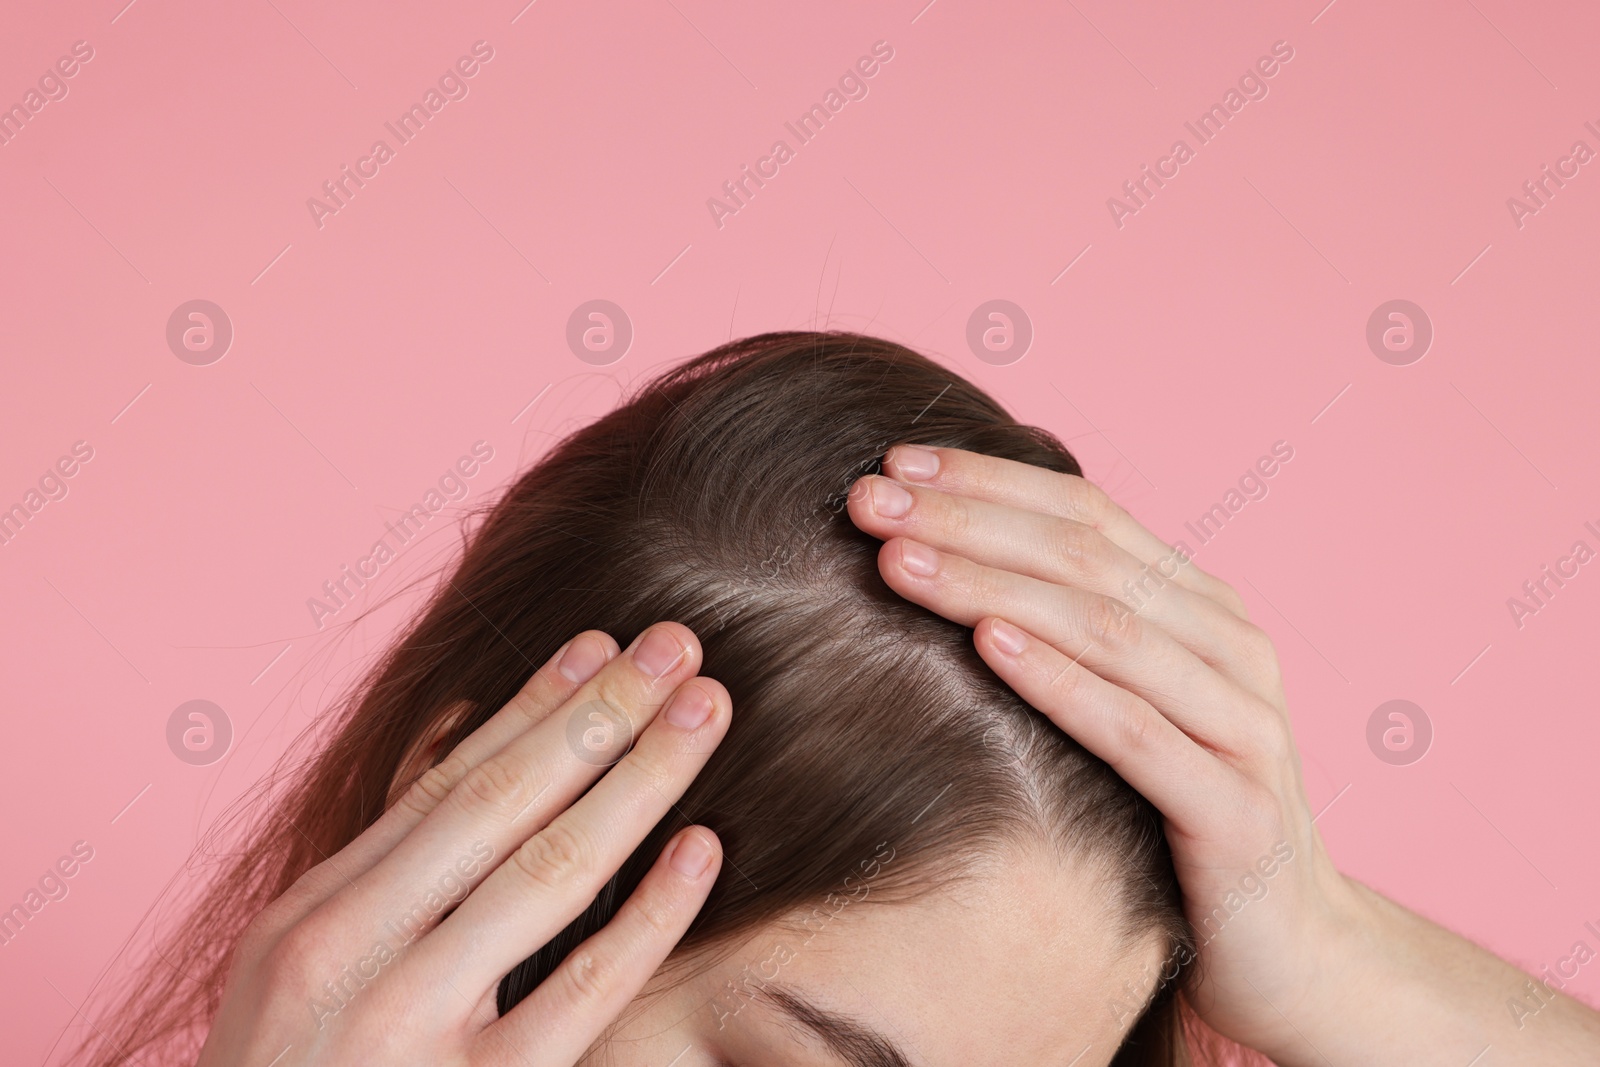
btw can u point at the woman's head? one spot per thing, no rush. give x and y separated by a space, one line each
896 822
864 726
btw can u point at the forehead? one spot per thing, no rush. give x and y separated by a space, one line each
1023 963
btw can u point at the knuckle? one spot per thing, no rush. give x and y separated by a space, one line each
526 706
953 515
496 783
1255 654
646 768
1112 625
434 784
315 884
295 956
622 694
1225 594
1067 682
1260 813
1258 647
1069 543
589 976
1087 502
1271 740
555 858
658 916
1131 731
1083 548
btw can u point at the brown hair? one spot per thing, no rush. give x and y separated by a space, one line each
715 498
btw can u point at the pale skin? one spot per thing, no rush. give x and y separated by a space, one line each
1017 965
1183 697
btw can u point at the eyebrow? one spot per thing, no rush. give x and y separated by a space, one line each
858 1045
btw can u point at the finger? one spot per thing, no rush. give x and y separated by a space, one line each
1022 485
1068 552
575 663
544 884
492 807
1099 630
560 1019
1151 754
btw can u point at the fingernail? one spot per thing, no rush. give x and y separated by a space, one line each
1010 639
918 558
692 856
658 653
915 464
888 499
582 660
690 708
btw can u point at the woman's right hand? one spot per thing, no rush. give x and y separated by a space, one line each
391 951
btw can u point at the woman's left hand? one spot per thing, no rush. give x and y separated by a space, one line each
1152 665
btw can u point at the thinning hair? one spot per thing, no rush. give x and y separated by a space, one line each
715 497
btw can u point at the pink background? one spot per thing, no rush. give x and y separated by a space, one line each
370 353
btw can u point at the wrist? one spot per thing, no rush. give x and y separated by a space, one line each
1383 989
1346 965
